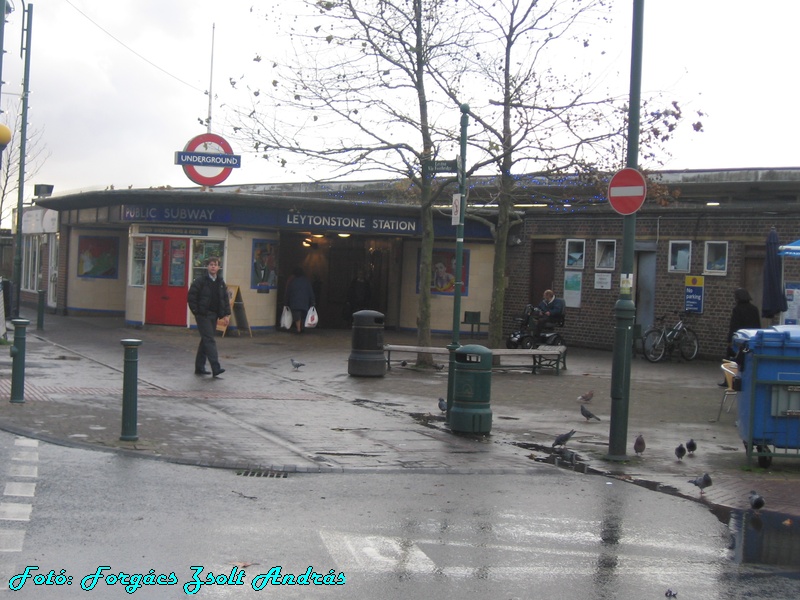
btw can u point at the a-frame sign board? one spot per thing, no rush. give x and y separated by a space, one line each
238 314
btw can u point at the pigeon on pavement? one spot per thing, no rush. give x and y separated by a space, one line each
756 500
586 397
588 414
296 364
442 405
639 445
703 481
691 446
562 439
670 594
680 451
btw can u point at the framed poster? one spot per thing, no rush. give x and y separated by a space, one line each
574 255
605 256
573 284
264 274
98 257
443 279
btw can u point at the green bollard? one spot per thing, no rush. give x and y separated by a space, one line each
18 362
40 312
129 382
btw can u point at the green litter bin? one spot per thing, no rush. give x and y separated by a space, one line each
472 390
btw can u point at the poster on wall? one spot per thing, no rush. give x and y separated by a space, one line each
264 274
98 257
443 279
572 288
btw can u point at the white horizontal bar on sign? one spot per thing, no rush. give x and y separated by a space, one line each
627 190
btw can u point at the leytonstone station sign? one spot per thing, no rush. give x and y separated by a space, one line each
208 159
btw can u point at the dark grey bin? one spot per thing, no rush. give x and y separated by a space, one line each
367 355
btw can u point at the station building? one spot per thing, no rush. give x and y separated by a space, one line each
699 236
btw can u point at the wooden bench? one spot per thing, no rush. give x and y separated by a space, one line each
543 357
389 348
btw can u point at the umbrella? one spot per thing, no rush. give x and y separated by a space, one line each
773 299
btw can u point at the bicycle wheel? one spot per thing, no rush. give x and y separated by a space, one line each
688 344
654 345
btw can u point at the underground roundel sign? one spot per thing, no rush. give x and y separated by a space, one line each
208 159
626 191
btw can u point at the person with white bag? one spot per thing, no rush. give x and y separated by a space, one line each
299 298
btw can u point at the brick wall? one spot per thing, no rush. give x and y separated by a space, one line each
592 325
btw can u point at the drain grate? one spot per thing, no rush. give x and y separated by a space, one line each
263 473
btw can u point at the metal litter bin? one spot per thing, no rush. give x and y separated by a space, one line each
472 390
367 354
769 401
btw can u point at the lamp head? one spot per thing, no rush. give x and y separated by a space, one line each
5 137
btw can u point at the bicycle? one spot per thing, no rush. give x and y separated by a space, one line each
660 341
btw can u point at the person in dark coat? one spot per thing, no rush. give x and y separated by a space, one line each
550 309
358 295
208 300
299 297
743 316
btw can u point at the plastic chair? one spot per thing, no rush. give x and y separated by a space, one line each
731 370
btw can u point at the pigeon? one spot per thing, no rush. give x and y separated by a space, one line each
442 404
587 397
756 500
703 481
403 363
588 414
562 439
680 451
639 445
296 364
670 594
691 446
438 367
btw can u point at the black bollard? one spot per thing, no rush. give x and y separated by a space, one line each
129 386
40 312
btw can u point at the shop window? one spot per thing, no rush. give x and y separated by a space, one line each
716 258
204 249
680 256
138 261
574 257
605 255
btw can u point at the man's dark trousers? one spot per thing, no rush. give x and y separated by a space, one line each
207 350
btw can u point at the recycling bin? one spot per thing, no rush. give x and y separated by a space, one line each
472 390
769 401
366 353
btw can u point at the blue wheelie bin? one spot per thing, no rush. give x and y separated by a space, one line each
769 401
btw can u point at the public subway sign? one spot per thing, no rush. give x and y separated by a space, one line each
178 214
351 223
208 159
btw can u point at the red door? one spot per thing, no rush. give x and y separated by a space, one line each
167 268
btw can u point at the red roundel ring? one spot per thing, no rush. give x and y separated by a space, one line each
194 145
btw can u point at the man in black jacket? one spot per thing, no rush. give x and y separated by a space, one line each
208 301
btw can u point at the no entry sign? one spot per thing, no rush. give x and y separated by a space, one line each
626 191
208 159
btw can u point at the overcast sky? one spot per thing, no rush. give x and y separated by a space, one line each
118 89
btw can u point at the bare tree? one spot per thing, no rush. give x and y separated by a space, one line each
37 155
356 97
535 118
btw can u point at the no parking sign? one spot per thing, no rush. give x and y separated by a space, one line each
208 159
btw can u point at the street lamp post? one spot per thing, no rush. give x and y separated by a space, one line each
22 152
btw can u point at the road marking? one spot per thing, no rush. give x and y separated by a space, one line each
12 511
11 540
18 488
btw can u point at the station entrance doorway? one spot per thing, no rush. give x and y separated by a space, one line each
332 262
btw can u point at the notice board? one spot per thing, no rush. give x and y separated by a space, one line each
238 313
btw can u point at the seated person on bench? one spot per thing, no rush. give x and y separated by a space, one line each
549 310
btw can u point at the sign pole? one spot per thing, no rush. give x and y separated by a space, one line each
625 310
462 191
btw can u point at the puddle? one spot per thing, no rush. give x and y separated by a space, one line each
765 538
